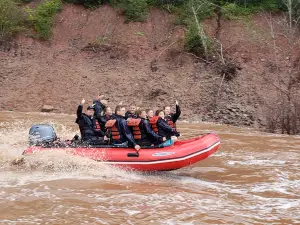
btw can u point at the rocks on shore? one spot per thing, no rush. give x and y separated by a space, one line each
47 108
234 114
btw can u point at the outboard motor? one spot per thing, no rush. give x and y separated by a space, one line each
41 134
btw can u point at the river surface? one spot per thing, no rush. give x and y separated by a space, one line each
253 179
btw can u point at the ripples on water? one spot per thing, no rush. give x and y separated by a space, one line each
253 179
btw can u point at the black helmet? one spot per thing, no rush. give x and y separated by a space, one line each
91 107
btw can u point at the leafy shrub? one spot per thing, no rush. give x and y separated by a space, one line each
185 15
87 3
266 4
42 17
135 10
234 9
11 18
194 43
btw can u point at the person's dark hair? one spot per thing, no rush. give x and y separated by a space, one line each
166 106
91 107
158 111
139 112
132 104
118 108
147 110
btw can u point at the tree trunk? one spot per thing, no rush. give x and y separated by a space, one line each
200 32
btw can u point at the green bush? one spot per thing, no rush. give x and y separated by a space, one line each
185 14
193 42
235 9
87 3
11 18
42 17
135 10
262 4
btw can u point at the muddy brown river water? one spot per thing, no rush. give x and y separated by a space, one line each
253 179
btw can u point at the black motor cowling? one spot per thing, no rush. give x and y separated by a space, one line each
40 134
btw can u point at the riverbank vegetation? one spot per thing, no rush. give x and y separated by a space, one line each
189 13
12 19
41 17
282 113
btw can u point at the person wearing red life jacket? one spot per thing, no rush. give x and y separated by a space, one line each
131 112
142 131
86 123
161 127
171 118
120 132
99 104
103 119
150 113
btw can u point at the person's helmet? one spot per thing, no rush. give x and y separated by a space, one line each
91 107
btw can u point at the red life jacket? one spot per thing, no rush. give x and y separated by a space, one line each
153 122
134 123
97 126
111 126
170 122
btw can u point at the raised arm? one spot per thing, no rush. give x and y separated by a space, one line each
176 115
79 109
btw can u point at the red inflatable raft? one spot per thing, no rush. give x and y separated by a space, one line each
181 154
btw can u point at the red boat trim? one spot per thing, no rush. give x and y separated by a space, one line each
163 160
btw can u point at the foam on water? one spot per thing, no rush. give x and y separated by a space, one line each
254 179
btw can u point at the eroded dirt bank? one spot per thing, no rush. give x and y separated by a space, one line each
95 52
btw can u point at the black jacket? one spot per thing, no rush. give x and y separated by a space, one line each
102 122
148 136
125 133
87 125
99 109
130 115
174 116
165 130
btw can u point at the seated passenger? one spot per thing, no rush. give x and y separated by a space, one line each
120 133
161 127
131 112
86 123
105 118
142 131
171 118
150 113
99 105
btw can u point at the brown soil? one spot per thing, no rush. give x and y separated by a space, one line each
94 52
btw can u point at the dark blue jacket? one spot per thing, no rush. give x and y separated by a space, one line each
130 115
148 136
99 108
87 125
174 116
165 130
102 122
125 133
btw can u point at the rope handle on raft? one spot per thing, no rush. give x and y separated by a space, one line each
133 154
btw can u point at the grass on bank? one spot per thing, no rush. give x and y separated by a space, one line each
42 17
11 19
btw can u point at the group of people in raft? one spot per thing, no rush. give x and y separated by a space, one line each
134 128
